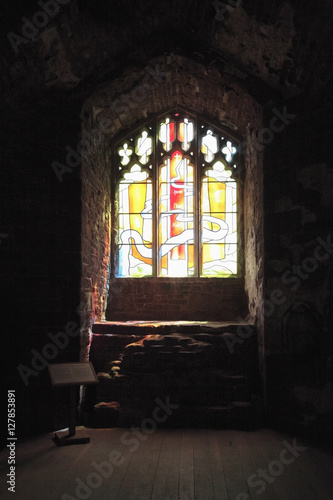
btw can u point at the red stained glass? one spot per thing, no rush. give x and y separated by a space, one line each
171 131
176 202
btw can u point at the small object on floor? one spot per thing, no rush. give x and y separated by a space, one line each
65 438
106 414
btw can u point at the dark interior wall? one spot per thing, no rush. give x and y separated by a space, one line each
298 302
40 257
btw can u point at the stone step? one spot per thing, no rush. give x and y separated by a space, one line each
209 369
234 415
165 327
212 387
233 349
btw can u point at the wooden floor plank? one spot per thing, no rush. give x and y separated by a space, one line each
167 474
203 481
232 465
186 466
171 464
219 482
262 456
293 480
281 474
98 469
314 480
125 445
55 466
307 474
246 455
139 479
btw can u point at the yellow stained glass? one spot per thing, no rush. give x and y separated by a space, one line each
218 223
135 224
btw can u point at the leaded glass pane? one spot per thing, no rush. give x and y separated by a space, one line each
167 134
209 146
135 224
186 133
216 262
229 150
218 222
144 147
125 154
176 217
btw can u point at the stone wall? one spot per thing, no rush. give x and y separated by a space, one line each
254 237
40 258
95 233
298 301
210 375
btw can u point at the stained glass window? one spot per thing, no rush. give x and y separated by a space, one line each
177 200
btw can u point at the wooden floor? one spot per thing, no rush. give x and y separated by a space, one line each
170 464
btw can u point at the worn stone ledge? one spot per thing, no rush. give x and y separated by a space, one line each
164 327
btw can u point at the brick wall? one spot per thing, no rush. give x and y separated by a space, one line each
95 237
173 299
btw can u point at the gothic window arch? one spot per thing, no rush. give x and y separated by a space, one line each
177 189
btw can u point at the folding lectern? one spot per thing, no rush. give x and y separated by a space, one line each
72 375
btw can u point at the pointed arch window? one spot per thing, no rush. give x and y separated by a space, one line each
177 189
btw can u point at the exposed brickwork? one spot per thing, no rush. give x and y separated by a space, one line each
95 249
174 299
254 237
169 81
